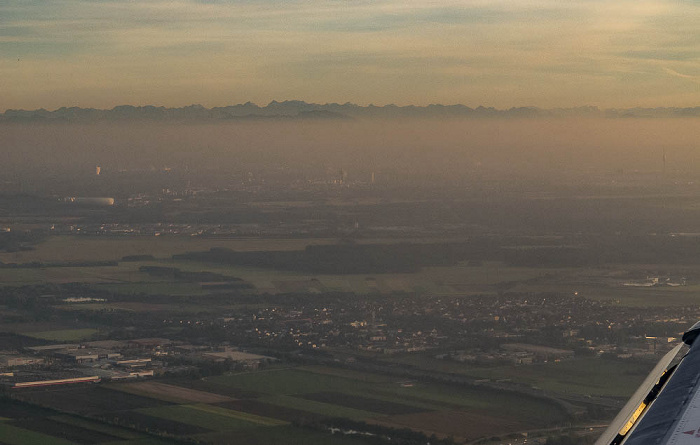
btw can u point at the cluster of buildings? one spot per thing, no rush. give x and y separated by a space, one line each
518 328
113 360
306 228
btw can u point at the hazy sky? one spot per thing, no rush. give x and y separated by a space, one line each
101 53
451 148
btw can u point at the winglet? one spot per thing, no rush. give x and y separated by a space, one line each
691 334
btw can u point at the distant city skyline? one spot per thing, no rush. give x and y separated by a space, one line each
500 53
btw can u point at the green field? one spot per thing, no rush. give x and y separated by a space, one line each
266 401
155 288
143 441
123 273
282 385
99 427
287 382
449 280
348 374
458 280
30 425
105 248
126 278
286 435
611 378
325 409
64 334
646 297
583 376
12 435
619 295
210 417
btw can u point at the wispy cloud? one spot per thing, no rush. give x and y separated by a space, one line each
500 52
682 76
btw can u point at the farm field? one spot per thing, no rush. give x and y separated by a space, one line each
144 416
25 424
264 404
622 296
458 280
353 395
87 399
447 280
154 288
103 248
135 306
583 376
316 408
170 393
13 435
60 248
85 274
29 328
126 277
65 335
286 435
483 279
360 402
452 423
211 417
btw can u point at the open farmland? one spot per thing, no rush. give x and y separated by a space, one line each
89 400
64 248
364 396
457 279
260 408
317 408
126 278
287 435
28 425
211 417
584 376
640 297
269 400
13 435
360 402
68 274
103 248
133 306
170 393
458 424
92 425
64 335
67 431
488 278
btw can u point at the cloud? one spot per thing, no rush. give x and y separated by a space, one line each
505 53
682 76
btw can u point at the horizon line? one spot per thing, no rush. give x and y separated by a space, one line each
348 103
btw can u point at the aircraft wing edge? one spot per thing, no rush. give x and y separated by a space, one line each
669 413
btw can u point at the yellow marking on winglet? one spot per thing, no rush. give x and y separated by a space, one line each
630 423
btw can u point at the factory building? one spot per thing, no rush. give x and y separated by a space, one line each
11 361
